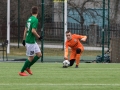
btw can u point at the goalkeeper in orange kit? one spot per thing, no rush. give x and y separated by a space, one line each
73 41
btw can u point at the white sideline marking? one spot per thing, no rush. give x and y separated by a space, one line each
35 84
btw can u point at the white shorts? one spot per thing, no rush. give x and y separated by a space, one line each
32 49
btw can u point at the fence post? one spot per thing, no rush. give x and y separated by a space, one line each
42 30
93 35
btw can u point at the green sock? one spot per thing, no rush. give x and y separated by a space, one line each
27 62
33 61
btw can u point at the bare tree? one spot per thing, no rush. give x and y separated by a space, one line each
80 7
115 11
3 10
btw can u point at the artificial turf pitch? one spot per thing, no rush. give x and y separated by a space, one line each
51 76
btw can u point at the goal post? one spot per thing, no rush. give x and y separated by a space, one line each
8 25
64 18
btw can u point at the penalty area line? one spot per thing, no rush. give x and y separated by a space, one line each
37 84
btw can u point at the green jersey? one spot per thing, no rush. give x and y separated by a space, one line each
32 22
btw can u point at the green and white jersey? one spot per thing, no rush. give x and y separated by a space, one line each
32 22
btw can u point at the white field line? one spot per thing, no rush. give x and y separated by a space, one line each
37 84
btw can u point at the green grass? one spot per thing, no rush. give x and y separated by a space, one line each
50 76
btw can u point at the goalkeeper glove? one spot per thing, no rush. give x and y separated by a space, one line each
23 42
40 37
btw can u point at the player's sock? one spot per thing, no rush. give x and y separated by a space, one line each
77 59
33 61
27 62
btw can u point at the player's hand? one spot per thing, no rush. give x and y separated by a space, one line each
40 37
65 58
23 42
83 39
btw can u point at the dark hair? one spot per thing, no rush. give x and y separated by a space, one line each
67 31
34 10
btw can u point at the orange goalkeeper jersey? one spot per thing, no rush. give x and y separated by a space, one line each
74 43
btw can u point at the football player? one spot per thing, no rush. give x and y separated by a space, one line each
73 41
30 33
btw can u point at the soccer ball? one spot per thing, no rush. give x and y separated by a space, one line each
66 63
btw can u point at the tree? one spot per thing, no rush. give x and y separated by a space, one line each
115 11
80 6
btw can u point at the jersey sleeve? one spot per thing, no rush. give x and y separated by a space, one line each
66 50
35 24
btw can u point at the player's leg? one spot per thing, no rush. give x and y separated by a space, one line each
26 64
38 55
78 54
30 54
72 57
72 62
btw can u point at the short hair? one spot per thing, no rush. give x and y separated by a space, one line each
34 10
68 31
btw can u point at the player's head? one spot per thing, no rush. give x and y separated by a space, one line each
34 10
68 35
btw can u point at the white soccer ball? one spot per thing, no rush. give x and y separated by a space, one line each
66 63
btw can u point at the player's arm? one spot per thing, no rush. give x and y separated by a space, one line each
81 37
35 33
66 51
24 35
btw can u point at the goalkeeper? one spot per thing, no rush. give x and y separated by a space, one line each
73 41
30 33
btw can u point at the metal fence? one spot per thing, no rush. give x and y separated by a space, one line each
54 31
53 35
